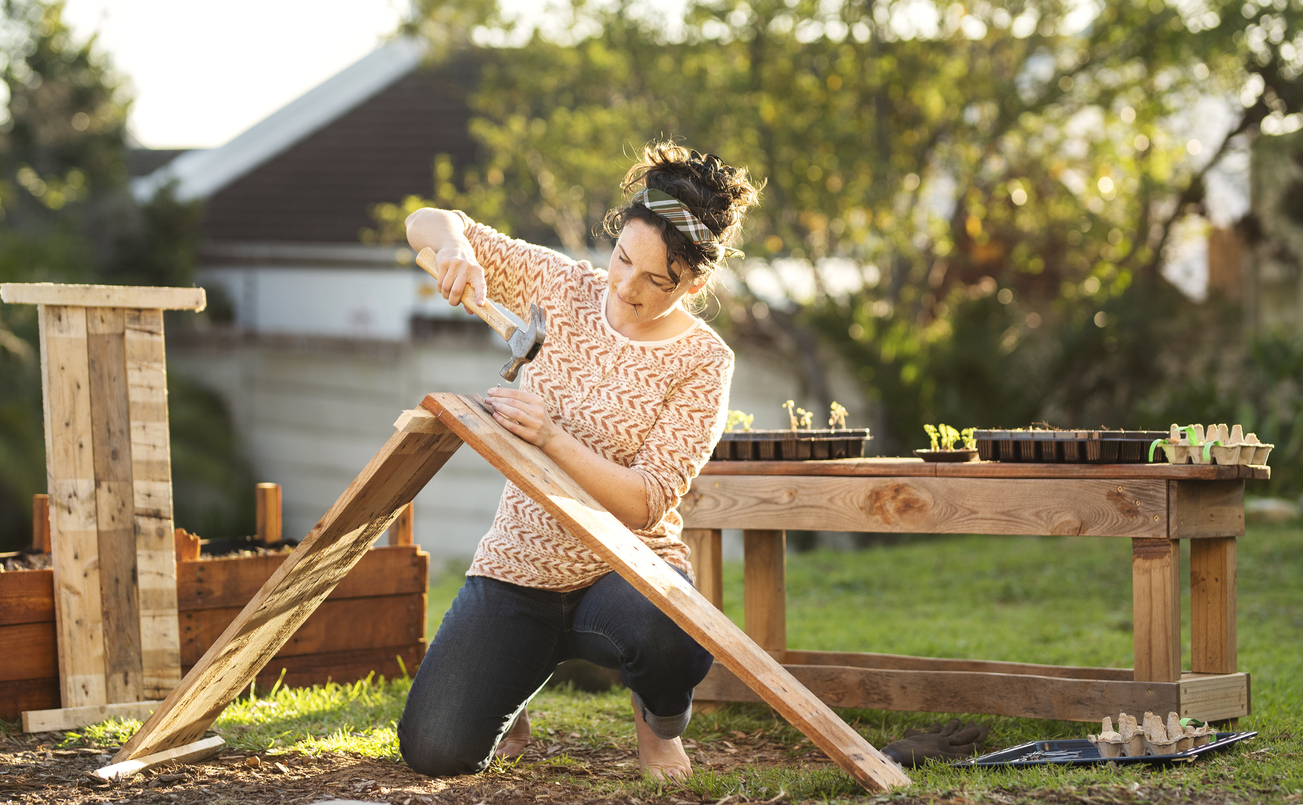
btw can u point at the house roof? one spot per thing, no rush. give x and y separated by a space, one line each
312 171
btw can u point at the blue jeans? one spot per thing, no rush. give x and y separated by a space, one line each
499 644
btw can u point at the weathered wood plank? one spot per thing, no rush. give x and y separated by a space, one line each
903 662
400 533
392 478
340 666
764 588
581 515
114 504
1205 509
705 551
1212 606
28 694
41 523
1215 697
351 623
231 581
70 482
29 651
1085 507
74 717
1156 604
190 753
48 293
26 596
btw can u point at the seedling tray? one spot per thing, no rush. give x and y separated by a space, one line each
1066 446
791 445
1080 752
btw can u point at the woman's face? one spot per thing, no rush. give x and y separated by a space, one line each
642 289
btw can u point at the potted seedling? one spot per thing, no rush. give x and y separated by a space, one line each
949 444
800 441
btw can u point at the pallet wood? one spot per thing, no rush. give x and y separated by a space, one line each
764 579
402 468
1156 604
20 695
73 717
48 293
1079 507
190 753
400 533
1212 606
904 662
41 523
536 475
1209 509
31 651
70 467
390 662
27 596
705 551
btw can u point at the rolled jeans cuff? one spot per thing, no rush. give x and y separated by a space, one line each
664 727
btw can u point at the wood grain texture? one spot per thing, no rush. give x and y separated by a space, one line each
267 512
536 475
29 651
903 662
70 482
114 504
26 596
1089 507
73 717
28 694
398 471
706 553
41 523
48 293
1156 605
400 533
764 588
343 667
1008 694
151 474
917 468
186 546
190 753
1212 606
1205 509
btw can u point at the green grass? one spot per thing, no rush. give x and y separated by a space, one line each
1063 601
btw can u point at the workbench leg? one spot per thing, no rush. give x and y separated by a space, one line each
705 546
1212 605
765 588
1156 603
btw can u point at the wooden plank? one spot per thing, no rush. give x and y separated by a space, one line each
1205 509
26 596
1215 697
186 546
155 540
916 468
1212 606
267 508
230 581
30 651
1086 507
48 293
392 478
1018 695
1156 604
114 504
903 662
351 623
400 533
340 666
28 694
705 551
41 523
842 467
764 588
70 467
190 753
582 516
74 717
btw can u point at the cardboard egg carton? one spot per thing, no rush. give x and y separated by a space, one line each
1149 736
1217 444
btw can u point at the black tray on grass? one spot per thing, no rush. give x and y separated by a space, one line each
1081 752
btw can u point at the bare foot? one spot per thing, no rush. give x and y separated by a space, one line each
658 758
517 738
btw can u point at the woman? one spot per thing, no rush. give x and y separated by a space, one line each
628 396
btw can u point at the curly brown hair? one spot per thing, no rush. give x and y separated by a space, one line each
717 193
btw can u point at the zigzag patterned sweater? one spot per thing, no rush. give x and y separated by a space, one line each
657 407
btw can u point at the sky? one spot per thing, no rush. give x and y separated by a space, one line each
203 72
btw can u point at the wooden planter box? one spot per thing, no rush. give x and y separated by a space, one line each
374 616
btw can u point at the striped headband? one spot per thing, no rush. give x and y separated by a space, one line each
678 214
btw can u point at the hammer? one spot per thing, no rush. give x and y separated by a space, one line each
524 344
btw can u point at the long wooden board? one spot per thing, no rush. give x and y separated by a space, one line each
540 478
49 293
366 509
917 468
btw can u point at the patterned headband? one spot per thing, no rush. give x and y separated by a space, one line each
678 214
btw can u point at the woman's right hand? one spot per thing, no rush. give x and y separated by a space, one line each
456 267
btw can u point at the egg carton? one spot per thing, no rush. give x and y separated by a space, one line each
1217 444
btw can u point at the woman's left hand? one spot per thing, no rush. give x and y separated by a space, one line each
523 413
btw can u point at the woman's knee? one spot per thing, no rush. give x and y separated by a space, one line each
438 751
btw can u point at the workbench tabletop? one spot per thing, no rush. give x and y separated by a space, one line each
917 468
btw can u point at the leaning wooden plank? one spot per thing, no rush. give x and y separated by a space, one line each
190 753
70 468
70 718
48 293
393 477
541 479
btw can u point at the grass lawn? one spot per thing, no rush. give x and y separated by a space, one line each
1041 600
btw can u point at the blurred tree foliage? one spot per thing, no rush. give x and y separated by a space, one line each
980 195
66 216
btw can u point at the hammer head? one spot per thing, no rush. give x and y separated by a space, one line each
525 343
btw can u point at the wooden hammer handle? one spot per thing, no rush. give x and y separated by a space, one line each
490 313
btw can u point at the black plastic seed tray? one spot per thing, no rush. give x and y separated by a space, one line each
1080 752
791 445
1066 446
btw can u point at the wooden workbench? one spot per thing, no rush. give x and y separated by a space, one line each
1153 505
